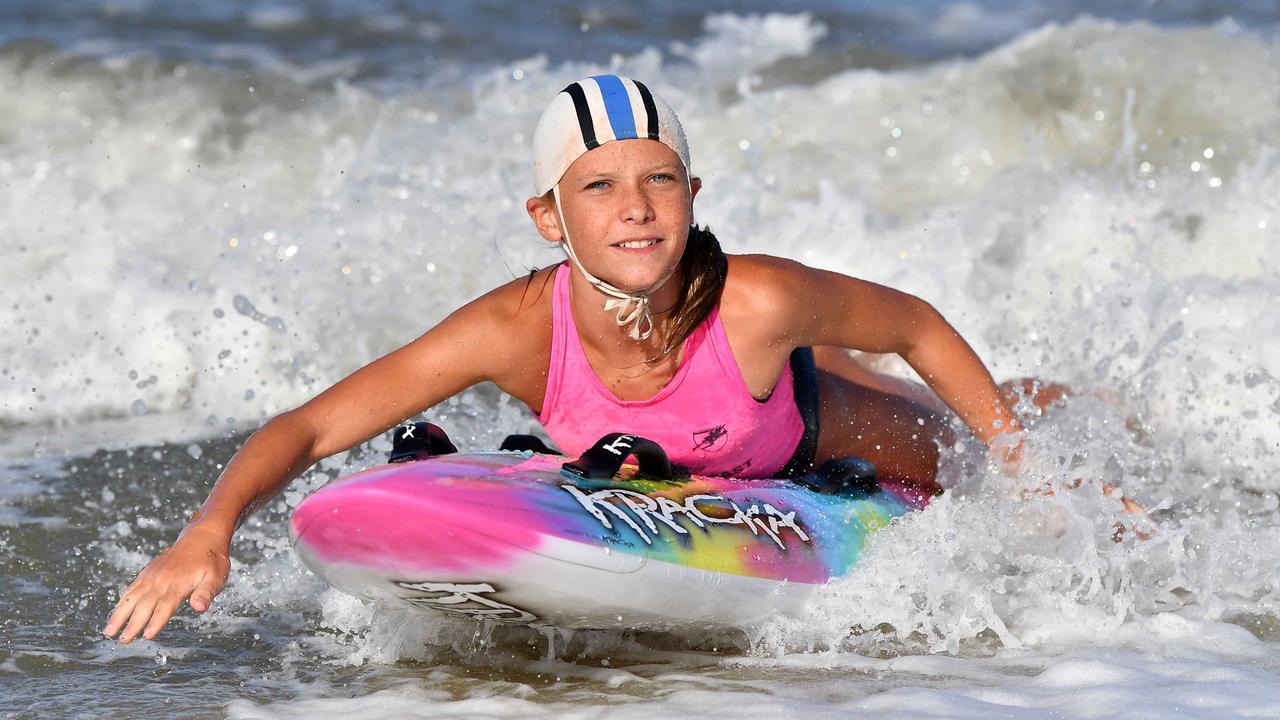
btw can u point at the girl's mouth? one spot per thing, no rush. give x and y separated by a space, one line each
638 244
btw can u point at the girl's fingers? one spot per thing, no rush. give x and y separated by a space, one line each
125 606
138 619
1129 505
163 611
1133 507
119 615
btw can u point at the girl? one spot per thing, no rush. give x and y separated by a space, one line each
648 328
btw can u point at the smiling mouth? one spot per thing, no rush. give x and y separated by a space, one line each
638 244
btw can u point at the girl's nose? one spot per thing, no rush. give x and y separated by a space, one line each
637 206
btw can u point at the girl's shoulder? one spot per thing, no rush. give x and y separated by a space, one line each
506 333
510 318
763 292
764 268
520 299
763 279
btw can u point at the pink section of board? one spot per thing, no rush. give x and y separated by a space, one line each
388 522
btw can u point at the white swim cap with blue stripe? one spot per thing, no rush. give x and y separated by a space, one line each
584 116
594 111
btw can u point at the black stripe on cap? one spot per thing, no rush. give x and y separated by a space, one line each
583 110
650 109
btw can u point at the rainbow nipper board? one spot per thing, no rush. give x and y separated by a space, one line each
510 537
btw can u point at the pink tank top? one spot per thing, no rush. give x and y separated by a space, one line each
705 418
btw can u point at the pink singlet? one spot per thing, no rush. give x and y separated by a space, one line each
705 418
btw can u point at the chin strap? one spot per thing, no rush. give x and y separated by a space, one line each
633 307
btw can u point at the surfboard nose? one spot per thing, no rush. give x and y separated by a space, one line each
398 520
398 527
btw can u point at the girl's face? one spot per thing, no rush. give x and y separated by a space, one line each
628 208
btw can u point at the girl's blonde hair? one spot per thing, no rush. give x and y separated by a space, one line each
705 269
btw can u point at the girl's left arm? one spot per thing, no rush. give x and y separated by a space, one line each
828 308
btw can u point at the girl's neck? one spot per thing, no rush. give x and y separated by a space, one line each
599 330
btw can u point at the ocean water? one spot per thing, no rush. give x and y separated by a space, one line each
210 213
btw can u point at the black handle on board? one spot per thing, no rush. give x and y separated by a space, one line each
526 443
604 459
849 475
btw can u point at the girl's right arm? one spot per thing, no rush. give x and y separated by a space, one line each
466 348
197 564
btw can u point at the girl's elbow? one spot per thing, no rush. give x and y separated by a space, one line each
930 320
925 313
927 327
294 427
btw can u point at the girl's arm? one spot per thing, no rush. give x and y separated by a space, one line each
462 350
799 306
827 308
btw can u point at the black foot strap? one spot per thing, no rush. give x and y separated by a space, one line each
604 459
419 441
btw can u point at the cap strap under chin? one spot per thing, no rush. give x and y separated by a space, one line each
633 307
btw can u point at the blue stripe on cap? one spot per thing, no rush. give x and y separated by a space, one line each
617 104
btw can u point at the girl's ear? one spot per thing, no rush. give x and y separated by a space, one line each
695 184
542 210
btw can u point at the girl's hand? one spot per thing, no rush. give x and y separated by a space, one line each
1129 505
195 567
1006 452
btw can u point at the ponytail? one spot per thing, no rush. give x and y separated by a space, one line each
705 269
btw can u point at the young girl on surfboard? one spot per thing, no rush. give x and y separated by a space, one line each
648 328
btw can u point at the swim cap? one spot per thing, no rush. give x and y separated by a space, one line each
595 111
